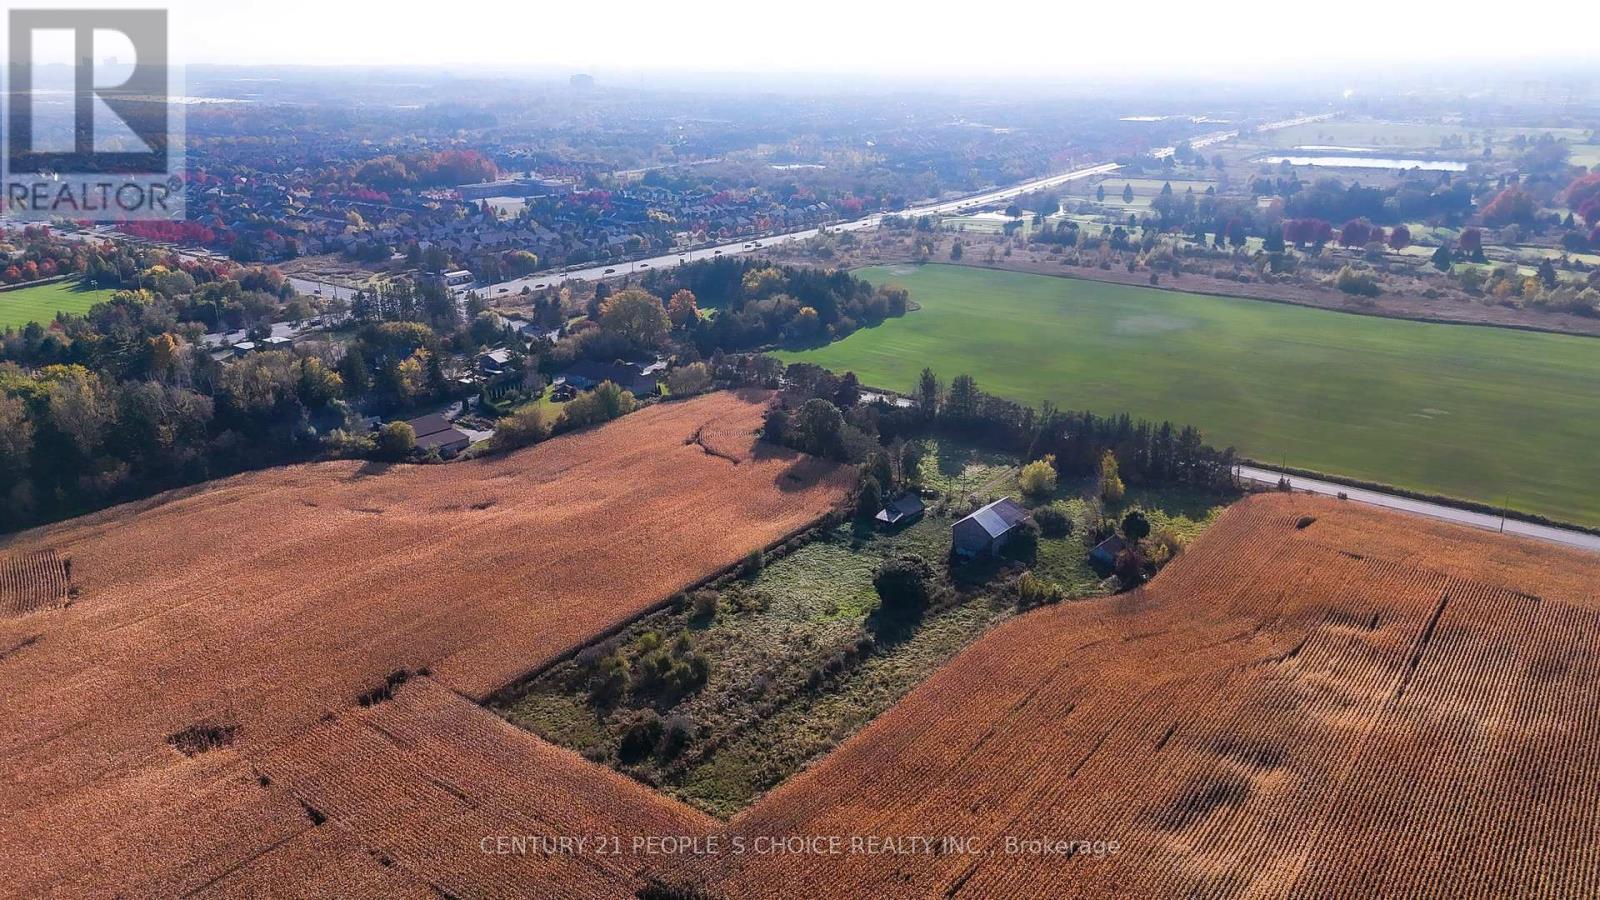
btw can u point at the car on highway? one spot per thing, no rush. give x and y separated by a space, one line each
609 271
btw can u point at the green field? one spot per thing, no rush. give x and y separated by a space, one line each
40 304
1479 413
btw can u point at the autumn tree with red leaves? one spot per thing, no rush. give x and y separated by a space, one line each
1583 198
1512 206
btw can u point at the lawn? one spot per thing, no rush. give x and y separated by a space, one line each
1480 413
41 303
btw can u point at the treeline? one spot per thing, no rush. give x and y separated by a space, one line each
820 413
757 304
73 439
128 399
165 413
1443 198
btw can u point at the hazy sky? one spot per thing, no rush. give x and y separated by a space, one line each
1027 39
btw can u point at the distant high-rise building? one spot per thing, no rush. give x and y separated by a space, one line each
581 82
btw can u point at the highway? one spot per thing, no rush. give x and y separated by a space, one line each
552 278
666 260
943 207
1578 539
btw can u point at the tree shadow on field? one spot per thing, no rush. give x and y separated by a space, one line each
891 626
370 469
804 473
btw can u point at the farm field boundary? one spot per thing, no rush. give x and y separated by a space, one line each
1457 502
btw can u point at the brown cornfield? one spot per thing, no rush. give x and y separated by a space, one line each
32 581
268 687
174 727
1372 705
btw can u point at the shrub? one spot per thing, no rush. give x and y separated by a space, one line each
1135 526
1053 521
1034 591
753 563
704 604
1357 283
522 428
1129 567
905 580
602 404
641 736
610 681
396 440
1023 543
668 673
1038 478
1165 545
676 734
686 381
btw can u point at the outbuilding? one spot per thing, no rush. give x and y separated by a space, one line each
985 532
902 510
1105 553
436 433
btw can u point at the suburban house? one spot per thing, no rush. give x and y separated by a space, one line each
585 374
1105 553
985 532
902 510
434 432
494 362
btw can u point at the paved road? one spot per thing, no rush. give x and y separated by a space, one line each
1217 137
1578 539
945 207
666 260
319 288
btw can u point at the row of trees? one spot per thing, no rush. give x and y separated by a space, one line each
820 414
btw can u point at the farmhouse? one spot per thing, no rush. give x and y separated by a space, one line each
904 509
985 532
436 433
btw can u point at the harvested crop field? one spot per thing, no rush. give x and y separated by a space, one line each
273 677
1316 699
1368 705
